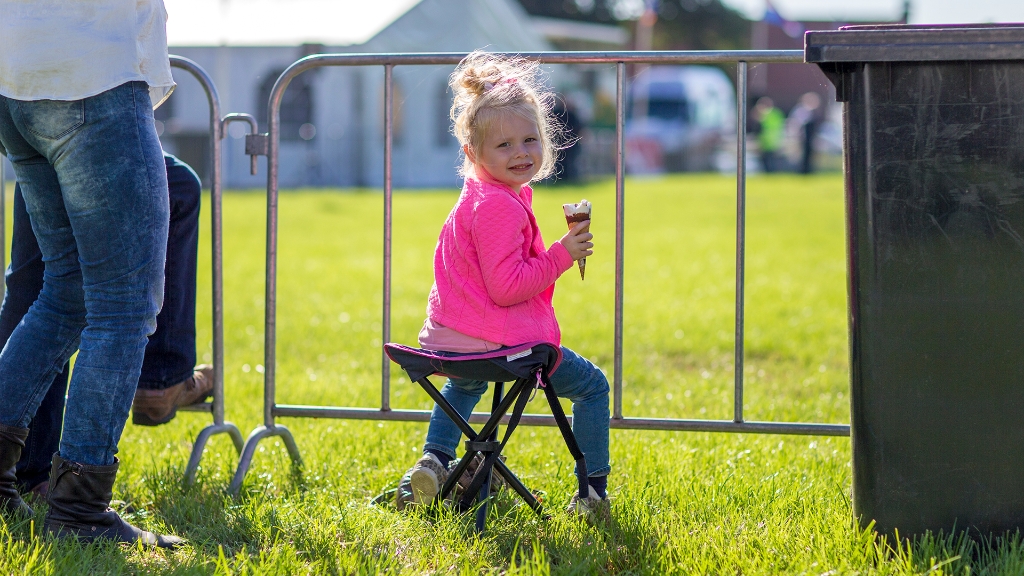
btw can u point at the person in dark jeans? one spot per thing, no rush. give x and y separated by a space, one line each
567 166
170 377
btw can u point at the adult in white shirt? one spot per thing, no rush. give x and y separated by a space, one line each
76 122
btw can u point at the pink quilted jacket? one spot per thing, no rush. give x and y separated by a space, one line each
493 277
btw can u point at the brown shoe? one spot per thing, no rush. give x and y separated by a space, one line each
155 407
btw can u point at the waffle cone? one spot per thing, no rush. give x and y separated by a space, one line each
572 220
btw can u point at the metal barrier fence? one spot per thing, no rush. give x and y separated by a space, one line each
268 144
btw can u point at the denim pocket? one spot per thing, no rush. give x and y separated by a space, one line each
52 119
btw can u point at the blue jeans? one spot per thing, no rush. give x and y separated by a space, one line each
171 351
577 379
95 190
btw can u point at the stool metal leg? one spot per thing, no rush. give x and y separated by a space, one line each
570 441
489 450
492 450
450 411
510 478
485 490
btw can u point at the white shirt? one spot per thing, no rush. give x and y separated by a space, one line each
73 49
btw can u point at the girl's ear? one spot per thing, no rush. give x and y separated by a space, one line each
468 151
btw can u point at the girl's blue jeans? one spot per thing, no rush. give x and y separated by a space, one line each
577 379
95 186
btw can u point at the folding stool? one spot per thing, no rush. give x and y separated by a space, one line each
529 367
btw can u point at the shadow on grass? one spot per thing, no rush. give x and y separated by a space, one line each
25 548
565 544
959 552
205 515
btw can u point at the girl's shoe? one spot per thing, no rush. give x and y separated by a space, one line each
497 481
593 509
421 483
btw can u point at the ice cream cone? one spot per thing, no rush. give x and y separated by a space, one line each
575 213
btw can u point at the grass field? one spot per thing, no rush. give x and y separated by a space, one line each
683 503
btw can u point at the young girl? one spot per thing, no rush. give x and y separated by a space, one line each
493 276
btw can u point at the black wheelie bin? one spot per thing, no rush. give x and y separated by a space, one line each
934 178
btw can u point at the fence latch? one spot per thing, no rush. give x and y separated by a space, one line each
257 145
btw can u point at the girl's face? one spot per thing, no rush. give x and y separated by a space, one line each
511 150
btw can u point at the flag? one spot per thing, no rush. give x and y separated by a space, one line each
772 16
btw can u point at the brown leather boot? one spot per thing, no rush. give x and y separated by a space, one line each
79 498
155 407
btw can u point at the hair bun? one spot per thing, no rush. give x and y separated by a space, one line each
479 74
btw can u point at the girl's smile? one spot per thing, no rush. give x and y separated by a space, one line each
511 150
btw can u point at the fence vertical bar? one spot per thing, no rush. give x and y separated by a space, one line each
620 221
270 308
216 405
741 215
217 258
385 394
269 427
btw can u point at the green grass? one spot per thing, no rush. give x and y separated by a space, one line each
686 503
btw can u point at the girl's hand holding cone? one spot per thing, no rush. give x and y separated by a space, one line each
577 216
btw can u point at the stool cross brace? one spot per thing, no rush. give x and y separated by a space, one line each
485 443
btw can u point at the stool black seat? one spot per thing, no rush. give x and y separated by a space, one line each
528 366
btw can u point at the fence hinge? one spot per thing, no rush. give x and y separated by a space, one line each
257 144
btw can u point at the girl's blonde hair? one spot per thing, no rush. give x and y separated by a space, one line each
486 85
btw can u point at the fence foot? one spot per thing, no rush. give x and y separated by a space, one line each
200 444
245 459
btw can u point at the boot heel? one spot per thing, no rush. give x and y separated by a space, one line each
141 419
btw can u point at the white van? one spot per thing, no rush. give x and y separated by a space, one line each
677 117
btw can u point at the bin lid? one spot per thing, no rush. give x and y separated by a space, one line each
915 43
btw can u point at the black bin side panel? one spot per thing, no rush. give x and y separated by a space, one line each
935 198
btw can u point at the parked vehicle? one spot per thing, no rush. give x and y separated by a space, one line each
677 117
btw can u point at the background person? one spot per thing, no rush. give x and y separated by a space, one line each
802 125
76 122
772 125
169 376
567 164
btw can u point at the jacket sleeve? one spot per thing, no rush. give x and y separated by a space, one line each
510 276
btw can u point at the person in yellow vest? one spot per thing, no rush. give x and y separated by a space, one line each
773 124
